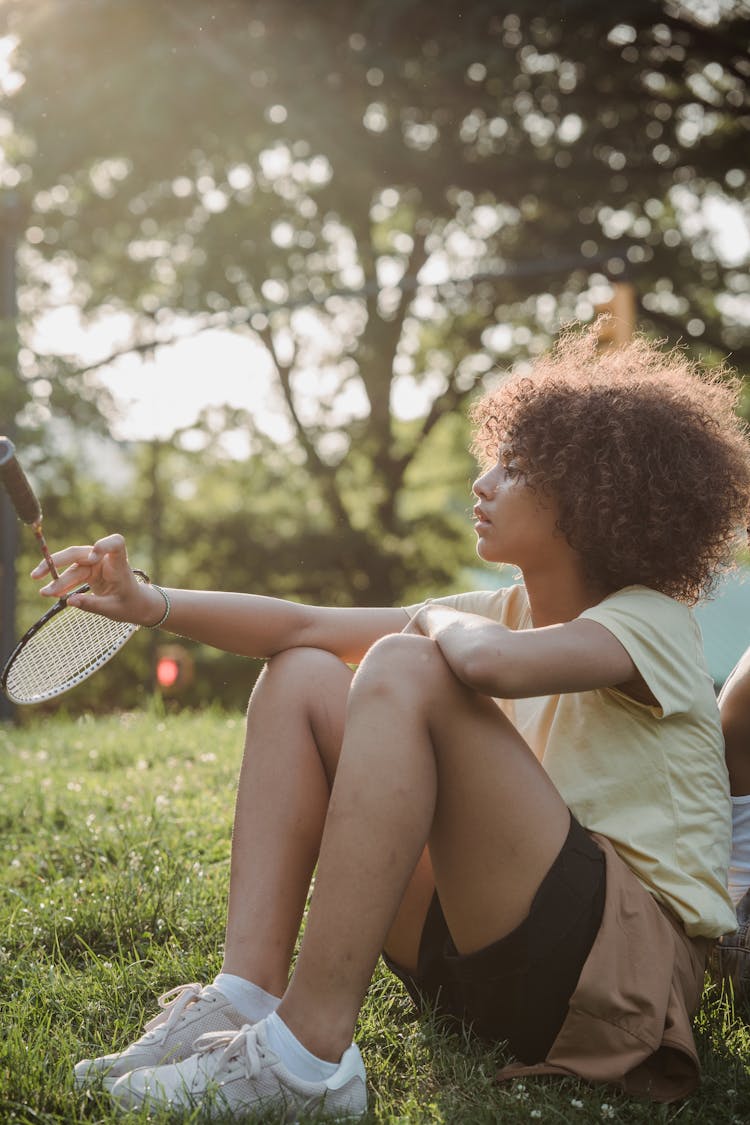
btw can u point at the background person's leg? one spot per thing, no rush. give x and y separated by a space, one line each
734 704
424 759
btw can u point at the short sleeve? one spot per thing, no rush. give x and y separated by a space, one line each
662 639
507 605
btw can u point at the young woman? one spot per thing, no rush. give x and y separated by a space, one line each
520 797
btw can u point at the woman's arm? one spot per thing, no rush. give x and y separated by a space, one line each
254 625
247 624
579 655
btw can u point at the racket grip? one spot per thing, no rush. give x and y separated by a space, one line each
20 492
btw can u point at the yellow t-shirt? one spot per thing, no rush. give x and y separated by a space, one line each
651 779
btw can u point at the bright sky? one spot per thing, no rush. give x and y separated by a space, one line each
164 392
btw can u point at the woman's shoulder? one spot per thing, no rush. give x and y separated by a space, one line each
644 599
658 619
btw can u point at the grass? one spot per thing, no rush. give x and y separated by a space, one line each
114 840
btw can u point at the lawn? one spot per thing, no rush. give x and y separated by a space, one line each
114 848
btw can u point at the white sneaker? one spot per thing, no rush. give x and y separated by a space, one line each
189 1012
238 1072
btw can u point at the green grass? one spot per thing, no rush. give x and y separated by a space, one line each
114 844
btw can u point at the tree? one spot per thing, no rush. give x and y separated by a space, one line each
386 194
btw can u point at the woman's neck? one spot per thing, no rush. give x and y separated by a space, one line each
559 593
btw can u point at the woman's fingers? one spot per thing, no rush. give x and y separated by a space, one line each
66 557
103 566
112 544
87 601
104 561
104 604
75 575
140 603
111 547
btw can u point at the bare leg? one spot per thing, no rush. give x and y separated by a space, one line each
294 728
424 760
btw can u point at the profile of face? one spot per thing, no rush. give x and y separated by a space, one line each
513 522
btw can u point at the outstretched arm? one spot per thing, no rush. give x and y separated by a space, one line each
578 655
247 624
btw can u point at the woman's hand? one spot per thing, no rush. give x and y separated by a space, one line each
115 592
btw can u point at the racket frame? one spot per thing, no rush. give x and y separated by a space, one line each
33 630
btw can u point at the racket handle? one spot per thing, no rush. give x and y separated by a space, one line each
20 492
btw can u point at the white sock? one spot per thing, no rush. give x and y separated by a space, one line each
249 999
302 1063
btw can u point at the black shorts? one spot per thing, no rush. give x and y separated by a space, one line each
518 988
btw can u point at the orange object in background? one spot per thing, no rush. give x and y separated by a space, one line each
174 668
618 316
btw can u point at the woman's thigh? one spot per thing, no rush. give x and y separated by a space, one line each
499 823
517 988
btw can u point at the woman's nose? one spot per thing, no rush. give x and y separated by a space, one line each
485 486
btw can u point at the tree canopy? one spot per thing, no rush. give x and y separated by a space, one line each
387 195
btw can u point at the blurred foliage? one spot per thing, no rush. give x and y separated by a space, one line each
201 519
388 196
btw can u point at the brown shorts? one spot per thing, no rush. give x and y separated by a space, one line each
629 1018
518 988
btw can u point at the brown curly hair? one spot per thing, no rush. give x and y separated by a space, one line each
643 453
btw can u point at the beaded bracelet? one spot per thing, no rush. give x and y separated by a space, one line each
167 607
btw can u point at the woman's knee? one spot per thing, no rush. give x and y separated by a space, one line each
303 674
402 663
305 662
306 690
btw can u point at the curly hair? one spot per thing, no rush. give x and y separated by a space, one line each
643 453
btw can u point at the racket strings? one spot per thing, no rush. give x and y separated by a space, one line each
66 650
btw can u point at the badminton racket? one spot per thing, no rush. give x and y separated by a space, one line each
66 645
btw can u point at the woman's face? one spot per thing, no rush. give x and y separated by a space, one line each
513 523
